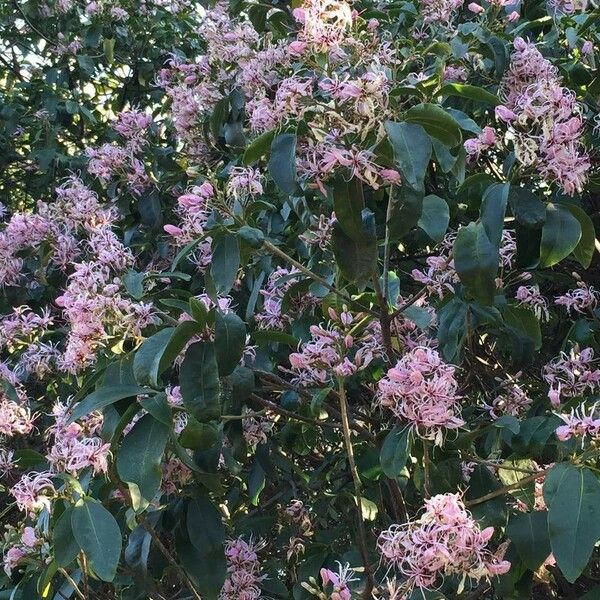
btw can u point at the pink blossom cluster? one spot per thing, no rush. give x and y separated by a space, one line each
422 390
34 491
244 183
445 540
77 446
545 118
78 230
193 210
243 570
582 299
337 582
19 546
531 297
484 141
440 12
280 282
579 424
15 417
339 350
571 375
511 399
320 235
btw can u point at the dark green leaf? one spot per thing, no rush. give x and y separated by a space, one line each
98 535
258 147
584 251
66 548
139 457
574 520
230 341
560 235
527 208
395 451
357 260
282 164
435 217
529 533
436 122
412 150
524 320
472 92
476 261
493 209
348 203
104 397
199 380
225 262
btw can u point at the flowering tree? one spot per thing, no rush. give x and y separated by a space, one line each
297 300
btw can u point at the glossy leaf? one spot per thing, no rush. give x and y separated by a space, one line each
560 235
230 341
199 381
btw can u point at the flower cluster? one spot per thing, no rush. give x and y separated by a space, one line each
579 424
545 119
445 540
339 350
571 375
582 299
243 570
421 390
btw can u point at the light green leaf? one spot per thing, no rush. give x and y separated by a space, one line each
436 122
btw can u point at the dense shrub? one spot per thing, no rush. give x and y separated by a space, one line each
298 300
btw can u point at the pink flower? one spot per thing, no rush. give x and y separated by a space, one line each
475 8
444 541
505 114
513 16
421 390
30 492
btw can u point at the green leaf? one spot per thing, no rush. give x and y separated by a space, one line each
140 454
66 548
134 284
510 475
435 217
98 535
256 482
412 150
105 396
108 45
476 261
282 164
230 341
395 451
219 116
493 209
252 236
471 92
158 406
529 533
524 319
436 122
560 235
406 210
266 336
574 520
199 381
205 526
348 203
527 208
225 262
356 259
452 330
258 147
146 363
584 251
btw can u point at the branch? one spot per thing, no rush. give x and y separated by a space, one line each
362 537
507 488
31 26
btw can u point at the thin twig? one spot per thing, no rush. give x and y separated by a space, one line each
507 488
169 556
72 583
362 537
292 415
28 22
277 251
422 292
384 318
